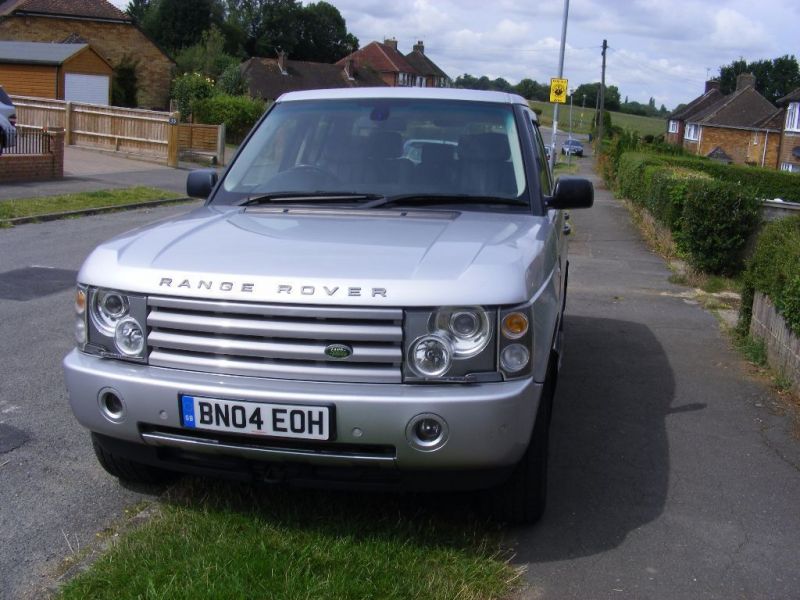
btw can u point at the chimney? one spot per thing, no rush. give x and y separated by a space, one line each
282 62
349 69
391 42
712 84
745 80
420 47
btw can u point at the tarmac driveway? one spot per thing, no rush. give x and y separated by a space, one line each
89 170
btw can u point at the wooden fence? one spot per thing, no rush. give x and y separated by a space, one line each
142 133
203 141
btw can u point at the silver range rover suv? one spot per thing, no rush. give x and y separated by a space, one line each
371 297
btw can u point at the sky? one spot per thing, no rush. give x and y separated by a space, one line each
664 49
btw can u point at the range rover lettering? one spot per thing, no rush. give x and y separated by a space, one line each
371 296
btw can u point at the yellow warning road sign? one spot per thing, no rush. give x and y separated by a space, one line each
558 90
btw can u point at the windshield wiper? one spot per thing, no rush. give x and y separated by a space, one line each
439 199
308 197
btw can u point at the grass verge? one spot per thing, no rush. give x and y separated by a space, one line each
32 207
222 540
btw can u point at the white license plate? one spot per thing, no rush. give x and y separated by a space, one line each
258 418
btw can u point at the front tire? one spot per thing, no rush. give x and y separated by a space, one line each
128 470
521 500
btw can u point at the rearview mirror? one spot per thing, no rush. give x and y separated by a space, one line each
200 183
571 192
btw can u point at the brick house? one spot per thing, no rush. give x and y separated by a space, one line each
109 31
740 127
676 122
789 116
434 76
395 69
268 78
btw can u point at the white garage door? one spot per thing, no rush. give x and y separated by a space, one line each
86 88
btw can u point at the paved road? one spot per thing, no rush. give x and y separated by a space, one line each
50 489
671 477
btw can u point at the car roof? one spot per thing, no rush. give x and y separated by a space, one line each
422 93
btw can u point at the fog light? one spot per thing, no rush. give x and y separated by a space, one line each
129 337
427 432
111 405
514 358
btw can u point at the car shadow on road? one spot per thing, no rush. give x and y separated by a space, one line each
609 453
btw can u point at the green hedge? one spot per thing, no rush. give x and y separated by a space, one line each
710 219
239 113
761 183
715 223
667 189
774 269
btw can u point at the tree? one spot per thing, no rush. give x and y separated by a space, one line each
774 78
612 96
532 90
177 24
323 34
137 9
207 57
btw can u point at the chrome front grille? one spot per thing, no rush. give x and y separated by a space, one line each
274 340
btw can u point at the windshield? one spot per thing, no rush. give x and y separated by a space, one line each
382 147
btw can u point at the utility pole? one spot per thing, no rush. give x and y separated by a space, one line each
560 76
602 95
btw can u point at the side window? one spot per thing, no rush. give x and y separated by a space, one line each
545 177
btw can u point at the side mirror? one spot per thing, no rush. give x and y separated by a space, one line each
571 192
200 183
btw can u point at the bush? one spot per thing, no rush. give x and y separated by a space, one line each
666 194
125 84
774 270
716 221
232 82
188 89
239 113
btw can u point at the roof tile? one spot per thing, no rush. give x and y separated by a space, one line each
90 9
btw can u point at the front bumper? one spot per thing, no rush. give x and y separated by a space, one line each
489 424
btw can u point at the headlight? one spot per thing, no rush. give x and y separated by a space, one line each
111 323
129 337
108 308
469 329
431 356
450 344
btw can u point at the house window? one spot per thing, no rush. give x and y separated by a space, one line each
793 117
792 168
692 132
673 127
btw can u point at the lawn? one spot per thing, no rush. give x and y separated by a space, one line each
221 540
32 207
644 125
